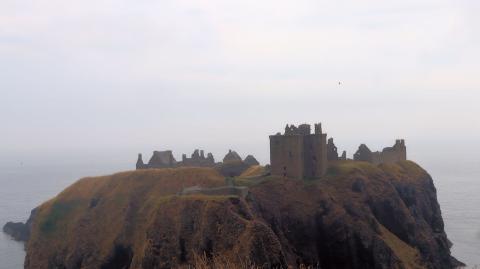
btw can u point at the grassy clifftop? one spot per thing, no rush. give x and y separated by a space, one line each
108 203
359 215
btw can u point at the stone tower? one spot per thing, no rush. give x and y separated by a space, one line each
298 153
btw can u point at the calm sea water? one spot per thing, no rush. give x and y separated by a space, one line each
23 187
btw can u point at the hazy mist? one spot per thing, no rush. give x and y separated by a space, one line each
102 80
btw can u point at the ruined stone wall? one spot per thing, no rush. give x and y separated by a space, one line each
286 155
388 155
140 164
376 157
394 154
198 159
232 156
162 159
332 151
298 153
363 154
165 159
315 155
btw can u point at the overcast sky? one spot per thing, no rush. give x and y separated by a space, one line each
135 76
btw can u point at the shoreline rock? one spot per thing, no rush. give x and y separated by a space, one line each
20 231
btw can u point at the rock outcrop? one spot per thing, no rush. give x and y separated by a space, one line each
20 231
357 216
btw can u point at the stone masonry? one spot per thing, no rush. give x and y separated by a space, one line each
396 153
198 159
298 153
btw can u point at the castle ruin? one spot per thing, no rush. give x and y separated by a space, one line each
396 153
232 164
198 159
232 156
159 159
332 152
165 159
298 153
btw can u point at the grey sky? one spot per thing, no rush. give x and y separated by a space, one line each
128 76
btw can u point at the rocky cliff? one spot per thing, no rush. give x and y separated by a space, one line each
358 216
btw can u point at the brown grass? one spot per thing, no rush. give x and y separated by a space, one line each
253 171
218 262
58 218
408 255
346 168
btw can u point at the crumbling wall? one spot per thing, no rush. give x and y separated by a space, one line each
396 153
165 159
363 154
198 159
140 164
315 155
298 153
286 155
232 156
332 151
250 160
159 159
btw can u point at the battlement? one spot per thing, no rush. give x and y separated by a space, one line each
399 143
302 129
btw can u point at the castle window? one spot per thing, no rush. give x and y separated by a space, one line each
290 154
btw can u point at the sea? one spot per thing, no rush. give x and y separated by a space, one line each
24 186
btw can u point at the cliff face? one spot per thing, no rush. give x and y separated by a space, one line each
359 216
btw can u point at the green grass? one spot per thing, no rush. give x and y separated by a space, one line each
58 213
253 181
342 168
